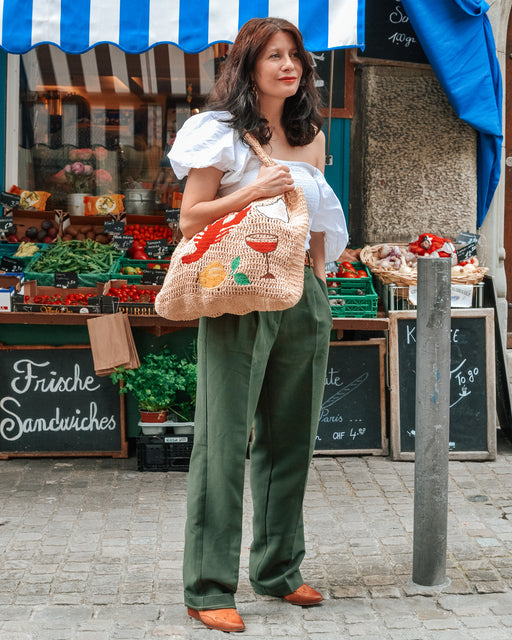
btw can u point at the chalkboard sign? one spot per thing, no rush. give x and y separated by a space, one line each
53 404
11 265
503 397
6 224
153 276
352 419
66 279
389 34
114 226
122 242
157 248
9 200
172 215
472 390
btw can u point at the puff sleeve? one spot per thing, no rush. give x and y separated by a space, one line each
205 140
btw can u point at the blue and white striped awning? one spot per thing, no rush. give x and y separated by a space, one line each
137 25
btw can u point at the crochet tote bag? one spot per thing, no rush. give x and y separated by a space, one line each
249 260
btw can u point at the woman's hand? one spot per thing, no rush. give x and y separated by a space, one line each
272 181
201 206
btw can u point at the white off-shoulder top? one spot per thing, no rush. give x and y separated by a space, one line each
206 140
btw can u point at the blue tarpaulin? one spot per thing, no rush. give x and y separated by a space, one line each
457 39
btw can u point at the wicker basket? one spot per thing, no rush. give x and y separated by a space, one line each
369 257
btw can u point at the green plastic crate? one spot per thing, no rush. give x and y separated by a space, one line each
352 297
9 249
85 279
126 262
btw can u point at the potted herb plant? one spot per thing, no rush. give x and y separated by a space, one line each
162 384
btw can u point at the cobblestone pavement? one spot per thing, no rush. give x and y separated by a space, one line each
90 549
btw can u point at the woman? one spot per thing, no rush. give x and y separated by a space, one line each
262 368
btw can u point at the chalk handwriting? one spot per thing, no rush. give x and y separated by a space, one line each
410 335
398 16
14 427
334 380
30 379
402 38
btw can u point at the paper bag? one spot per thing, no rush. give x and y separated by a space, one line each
112 343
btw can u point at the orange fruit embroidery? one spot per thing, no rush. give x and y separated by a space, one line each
212 276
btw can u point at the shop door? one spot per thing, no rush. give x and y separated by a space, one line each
507 241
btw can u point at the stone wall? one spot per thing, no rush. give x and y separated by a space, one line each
413 161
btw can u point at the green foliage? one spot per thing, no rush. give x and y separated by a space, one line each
163 381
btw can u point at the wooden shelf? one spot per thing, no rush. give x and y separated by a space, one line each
380 323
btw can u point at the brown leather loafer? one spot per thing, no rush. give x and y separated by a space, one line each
304 596
221 619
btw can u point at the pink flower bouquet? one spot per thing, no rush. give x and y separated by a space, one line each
79 175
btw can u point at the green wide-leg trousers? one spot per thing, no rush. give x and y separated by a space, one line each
266 369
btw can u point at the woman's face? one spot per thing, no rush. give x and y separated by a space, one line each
278 68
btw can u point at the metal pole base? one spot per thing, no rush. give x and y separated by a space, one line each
423 590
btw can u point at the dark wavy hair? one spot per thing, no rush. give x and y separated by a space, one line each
233 91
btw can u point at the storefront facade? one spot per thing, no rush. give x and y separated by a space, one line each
402 161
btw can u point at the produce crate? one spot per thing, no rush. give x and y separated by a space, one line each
93 225
139 308
27 301
85 279
396 298
352 297
164 453
25 218
141 264
8 251
10 285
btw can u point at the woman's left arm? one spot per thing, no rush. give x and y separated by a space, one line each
317 251
317 241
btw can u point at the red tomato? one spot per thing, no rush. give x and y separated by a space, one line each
348 266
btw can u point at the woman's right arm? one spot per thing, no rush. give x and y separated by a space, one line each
201 206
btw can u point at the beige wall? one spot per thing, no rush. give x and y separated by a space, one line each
413 161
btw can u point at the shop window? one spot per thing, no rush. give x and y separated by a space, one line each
117 115
114 113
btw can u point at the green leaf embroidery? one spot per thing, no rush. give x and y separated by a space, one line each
235 264
241 278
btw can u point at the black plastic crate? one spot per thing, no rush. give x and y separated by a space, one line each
164 453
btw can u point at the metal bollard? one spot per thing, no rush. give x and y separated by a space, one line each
432 422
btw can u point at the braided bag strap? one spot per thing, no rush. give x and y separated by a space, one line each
258 150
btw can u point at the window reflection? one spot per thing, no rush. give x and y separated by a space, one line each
124 108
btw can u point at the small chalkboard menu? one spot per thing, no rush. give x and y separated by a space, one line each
122 242
389 34
472 387
52 403
352 418
9 200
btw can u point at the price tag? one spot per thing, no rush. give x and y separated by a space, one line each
6 223
115 227
470 242
156 248
66 279
153 276
172 215
9 200
464 237
11 265
122 242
